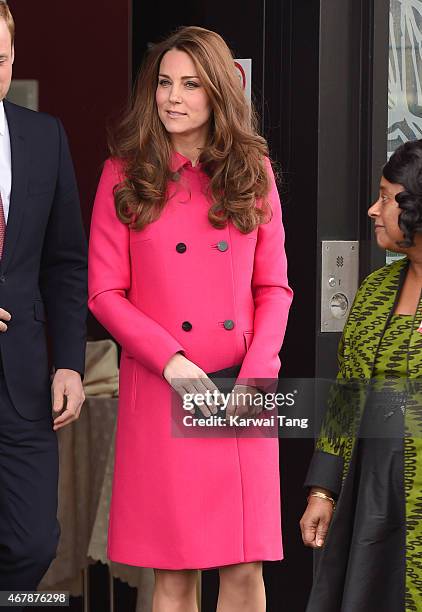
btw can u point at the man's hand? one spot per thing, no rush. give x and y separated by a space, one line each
316 520
68 394
4 316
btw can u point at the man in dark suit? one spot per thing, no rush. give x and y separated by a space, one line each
42 287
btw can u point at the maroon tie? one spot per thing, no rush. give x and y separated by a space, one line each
2 226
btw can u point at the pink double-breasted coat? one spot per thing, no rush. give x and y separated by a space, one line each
182 503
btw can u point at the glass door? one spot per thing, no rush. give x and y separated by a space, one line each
405 73
404 77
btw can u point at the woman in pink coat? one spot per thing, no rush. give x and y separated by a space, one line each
188 273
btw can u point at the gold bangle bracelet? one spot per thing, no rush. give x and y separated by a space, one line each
322 495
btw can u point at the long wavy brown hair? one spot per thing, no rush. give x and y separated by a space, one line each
233 158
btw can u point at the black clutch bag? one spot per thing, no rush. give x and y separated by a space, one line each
224 380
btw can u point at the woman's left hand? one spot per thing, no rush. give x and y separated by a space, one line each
242 403
316 520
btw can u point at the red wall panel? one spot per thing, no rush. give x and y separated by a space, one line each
80 54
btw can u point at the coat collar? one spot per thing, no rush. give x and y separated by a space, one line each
179 161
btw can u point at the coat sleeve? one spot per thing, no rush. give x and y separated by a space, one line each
332 454
63 269
109 281
271 293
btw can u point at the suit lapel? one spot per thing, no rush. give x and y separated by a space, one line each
19 184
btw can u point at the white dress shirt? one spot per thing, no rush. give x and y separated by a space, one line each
5 162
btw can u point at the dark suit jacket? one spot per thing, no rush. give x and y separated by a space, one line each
43 268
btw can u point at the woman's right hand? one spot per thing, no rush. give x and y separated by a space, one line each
186 377
316 519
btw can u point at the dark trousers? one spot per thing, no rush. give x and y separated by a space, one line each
29 530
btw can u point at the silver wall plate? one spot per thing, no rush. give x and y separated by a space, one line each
339 282
24 92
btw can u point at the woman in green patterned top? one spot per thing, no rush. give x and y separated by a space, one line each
365 480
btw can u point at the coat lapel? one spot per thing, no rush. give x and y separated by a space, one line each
19 184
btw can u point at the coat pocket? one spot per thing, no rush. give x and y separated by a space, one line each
128 382
132 380
134 384
247 337
39 311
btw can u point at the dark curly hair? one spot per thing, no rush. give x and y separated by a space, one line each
405 168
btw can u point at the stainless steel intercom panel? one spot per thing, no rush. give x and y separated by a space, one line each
24 92
340 278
